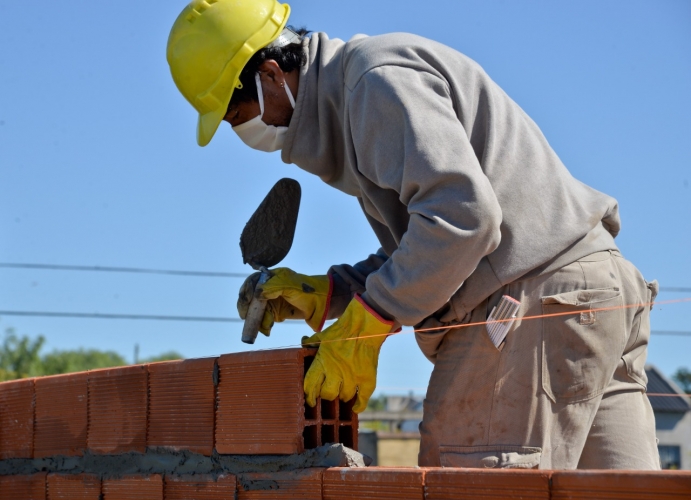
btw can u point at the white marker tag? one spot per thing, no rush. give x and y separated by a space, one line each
501 319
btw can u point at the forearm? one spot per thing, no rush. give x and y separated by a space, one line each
349 280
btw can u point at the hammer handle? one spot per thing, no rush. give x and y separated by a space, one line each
255 313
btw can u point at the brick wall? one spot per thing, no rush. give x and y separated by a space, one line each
202 412
381 483
245 403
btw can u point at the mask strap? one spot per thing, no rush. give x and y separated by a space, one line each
260 94
290 95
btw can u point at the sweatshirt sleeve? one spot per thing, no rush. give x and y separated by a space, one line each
348 280
407 138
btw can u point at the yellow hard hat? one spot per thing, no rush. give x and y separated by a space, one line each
210 43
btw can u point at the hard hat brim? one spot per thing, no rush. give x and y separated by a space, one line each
208 124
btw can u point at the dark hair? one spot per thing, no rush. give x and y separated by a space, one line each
288 57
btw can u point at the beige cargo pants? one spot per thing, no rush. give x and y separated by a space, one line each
563 392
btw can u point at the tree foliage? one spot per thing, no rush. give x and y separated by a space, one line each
377 403
166 356
79 361
683 377
20 357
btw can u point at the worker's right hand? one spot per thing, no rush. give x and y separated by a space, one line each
289 295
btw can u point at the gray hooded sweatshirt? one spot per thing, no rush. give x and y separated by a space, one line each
460 186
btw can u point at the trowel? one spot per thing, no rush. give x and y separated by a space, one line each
265 241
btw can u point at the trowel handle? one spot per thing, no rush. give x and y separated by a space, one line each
255 312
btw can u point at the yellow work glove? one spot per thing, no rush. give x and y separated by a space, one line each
290 296
346 362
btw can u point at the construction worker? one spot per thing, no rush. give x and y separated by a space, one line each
470 204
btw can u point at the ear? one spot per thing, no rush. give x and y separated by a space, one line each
270 71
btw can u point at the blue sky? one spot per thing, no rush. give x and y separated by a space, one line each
99 164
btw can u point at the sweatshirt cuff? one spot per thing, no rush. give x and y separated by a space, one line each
377 311
341 295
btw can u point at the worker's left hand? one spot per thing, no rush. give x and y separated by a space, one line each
346 362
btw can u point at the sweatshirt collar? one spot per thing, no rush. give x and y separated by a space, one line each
315 137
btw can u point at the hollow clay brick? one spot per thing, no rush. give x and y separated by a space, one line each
17 419
303 484
261 406
61 415
382 483
621 485
486 484
133 488
199 487
117 410
181 405
31 487
73 487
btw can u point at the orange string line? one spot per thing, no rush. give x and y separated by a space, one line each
480 323
538 316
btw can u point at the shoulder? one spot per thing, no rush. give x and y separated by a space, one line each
362 54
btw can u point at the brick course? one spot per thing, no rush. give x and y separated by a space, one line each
31 487
261 406
199 487
17 419
133 488
298 485
621 485
61 415
181 405
382 483
73 487
488 484
117 410
250 403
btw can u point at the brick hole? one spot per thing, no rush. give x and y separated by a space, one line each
309 436
329 410
345 436
328 434
308 362
311 413
345 410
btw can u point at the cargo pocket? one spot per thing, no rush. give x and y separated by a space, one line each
636 350
581 343
490 457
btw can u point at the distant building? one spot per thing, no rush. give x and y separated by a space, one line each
397 439
672 420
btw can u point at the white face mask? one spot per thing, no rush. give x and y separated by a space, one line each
257 134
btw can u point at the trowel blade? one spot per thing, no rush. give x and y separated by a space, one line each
268 235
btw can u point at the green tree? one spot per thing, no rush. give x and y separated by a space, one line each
377 403
19 356
683 377
166 356
80 360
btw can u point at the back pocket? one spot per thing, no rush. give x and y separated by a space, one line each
582 343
